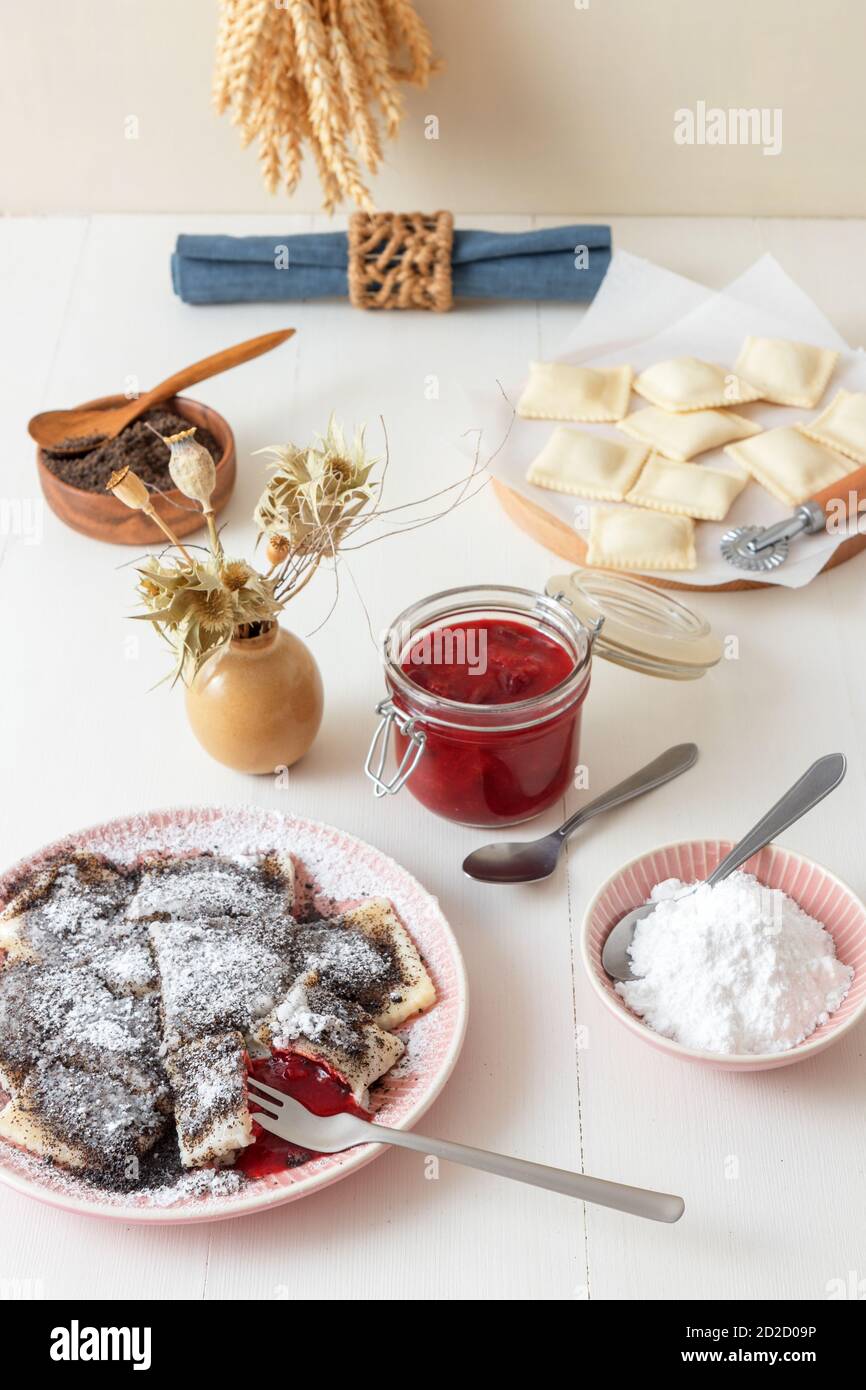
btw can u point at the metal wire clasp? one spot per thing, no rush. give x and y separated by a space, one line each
378 752
593 628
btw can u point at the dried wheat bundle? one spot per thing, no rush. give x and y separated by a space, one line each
314 72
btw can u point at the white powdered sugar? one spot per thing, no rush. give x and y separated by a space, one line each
113 935
201 1184
296 1017
205 1186
737 968
205 888
214 976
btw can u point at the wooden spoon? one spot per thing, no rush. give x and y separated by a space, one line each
52 428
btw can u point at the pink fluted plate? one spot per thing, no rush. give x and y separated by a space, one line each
342 869
825 897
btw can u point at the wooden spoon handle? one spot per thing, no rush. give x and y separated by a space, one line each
211 366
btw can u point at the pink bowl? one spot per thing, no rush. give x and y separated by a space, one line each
818 892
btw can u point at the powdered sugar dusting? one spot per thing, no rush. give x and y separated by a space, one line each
208 1188
334 872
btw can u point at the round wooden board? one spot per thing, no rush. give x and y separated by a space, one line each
555 535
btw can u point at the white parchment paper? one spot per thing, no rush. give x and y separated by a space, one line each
644 314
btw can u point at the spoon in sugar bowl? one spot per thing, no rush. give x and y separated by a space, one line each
816 783
527 861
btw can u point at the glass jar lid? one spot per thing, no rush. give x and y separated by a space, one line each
645 628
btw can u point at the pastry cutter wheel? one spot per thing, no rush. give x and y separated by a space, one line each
763 548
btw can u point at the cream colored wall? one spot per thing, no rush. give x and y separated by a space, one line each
546 106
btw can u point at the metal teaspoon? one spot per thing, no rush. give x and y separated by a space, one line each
526 861
816 783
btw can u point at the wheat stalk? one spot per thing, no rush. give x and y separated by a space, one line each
403 21
367 36
291 122
311 72
361 123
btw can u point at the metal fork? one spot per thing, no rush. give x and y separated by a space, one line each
291 1121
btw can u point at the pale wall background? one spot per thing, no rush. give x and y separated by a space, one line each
544 106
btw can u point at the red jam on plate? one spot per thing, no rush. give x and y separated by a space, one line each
312 1083
493 767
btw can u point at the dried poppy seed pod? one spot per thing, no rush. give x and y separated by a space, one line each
278 549
192 469
128 488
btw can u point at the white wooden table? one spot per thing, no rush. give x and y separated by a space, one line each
772 1166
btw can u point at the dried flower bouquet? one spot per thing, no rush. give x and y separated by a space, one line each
315 503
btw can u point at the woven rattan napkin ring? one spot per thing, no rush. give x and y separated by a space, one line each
400 260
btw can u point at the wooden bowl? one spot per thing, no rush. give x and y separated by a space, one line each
100 515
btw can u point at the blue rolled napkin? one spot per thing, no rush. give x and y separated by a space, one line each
566 263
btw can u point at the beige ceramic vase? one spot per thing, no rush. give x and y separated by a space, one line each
257 704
